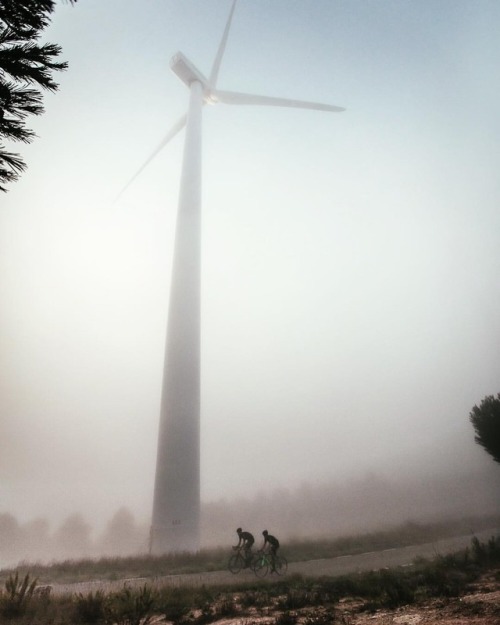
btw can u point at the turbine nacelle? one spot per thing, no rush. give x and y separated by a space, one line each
187 71
189 74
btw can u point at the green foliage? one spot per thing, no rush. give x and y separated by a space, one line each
176 604
90 608
485 419
26 68
145 566
296 598
175 612
486 554
312 601
410 533
14 600
443 578
396 589
254 599
224 607
129 607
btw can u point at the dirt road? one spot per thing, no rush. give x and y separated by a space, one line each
342 565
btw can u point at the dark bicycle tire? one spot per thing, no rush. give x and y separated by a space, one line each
236 563
280 565
260 565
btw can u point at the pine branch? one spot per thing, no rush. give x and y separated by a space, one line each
31 63
11 167
19 102
25 67
26 16
15 130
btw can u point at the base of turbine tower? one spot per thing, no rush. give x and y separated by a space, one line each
175 539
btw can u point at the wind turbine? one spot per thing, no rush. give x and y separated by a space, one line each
176 504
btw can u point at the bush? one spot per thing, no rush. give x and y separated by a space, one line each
486 554
14 600
324 618
295 599
396 589
175 604
90 608
225 607
286 618
131 607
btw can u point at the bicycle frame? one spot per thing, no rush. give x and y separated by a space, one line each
264 562
238 560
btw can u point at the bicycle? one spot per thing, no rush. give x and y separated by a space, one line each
263 562
238 561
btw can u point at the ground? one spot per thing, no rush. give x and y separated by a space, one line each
479 606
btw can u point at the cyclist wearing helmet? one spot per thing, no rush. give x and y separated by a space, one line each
246 540
274 545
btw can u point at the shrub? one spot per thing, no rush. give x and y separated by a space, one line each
286 618
253 598
225 607
397 589
131 607
485 554
90 608
324 618
14 600
175 604
294 600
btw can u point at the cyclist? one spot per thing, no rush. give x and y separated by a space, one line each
246 540
274 545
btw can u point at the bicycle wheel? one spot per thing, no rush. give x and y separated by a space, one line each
280 565
260 565
236 563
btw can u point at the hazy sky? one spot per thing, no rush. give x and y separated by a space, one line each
351 262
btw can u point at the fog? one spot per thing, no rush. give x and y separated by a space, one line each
350 299
466 503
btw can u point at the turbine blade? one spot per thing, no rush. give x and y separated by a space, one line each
231 97
220 52
177 127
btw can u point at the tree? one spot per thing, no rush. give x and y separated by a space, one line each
26 68
123 536
10 538
486 422
72 539
36 540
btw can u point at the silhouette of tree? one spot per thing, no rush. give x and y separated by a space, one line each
72 539
36 539
10 537
123 536
486 422
26 68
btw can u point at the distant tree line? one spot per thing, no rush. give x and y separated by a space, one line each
333 509
33 541
26 70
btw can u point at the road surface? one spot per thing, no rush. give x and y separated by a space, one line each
342 565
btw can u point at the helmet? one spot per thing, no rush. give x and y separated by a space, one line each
239 530
265 533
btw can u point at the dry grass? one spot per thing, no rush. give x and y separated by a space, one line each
290 601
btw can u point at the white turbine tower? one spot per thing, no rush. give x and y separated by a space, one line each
176 505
